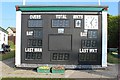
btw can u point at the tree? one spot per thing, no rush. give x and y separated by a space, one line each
113 31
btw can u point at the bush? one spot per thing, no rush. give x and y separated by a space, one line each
12 46
112 31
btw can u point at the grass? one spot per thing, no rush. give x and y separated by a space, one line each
112 58
36 79
7 55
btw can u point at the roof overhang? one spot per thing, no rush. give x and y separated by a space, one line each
60 8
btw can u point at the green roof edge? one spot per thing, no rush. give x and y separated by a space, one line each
61 8
2 29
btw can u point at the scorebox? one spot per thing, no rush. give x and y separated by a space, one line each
71 36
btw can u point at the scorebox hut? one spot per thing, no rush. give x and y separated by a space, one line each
70 36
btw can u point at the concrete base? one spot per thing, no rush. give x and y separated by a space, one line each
66 66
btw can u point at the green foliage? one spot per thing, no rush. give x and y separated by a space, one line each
12 46
7 55
113 31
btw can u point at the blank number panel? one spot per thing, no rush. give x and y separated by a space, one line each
60 42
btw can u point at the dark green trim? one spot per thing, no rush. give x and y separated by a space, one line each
3 30
61 8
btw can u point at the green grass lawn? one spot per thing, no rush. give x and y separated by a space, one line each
7 55
112 58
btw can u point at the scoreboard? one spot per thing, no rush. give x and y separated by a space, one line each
72 36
